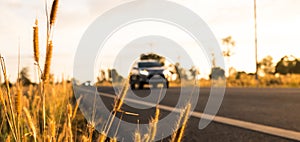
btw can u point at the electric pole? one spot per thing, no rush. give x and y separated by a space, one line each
255 42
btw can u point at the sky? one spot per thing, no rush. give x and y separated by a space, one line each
277 20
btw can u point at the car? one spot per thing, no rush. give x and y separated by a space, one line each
148 72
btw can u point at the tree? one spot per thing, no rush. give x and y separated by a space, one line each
153 56
288 65
24 76
232 71
266 66
114 76
228 52
217 73
181 72
194 72
101 77
296 68
240 74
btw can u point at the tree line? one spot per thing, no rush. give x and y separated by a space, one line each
286 65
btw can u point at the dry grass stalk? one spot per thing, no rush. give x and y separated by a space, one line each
10 114
52 129
76 107
25 101
181 121
84 139
62 134
184 123
18 107
153 124
114 139
48 62
102 137
174 135
18 101
29 91
2 97
91 129
48 139
30 123
146 138
53 13
8 139
36 42
70 110
137 137
69 125
120 99
36 101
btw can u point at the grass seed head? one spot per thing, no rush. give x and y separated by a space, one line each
48 62
137 136
18 100
102 137
36 42
53 13
114 139
2 97
70 110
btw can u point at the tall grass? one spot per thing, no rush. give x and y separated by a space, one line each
181 124
36 48
47 111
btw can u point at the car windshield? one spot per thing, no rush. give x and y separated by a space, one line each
148 64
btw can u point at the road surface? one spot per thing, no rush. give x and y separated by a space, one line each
275 108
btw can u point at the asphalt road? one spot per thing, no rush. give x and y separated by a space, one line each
272 107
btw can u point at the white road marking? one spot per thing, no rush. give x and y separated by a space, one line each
289 134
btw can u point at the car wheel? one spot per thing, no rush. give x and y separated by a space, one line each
166 84
154 85
141 86
132 86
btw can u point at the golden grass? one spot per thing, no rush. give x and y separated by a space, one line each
137 136
114 139
182 121
53 13
47 111
61 113
52 130
120 98
102 137
30 123
36 50
18 102
153 125
48 62
2 97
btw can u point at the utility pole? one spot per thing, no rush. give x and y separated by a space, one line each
255 40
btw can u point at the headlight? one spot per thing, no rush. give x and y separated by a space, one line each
144 72
166 72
